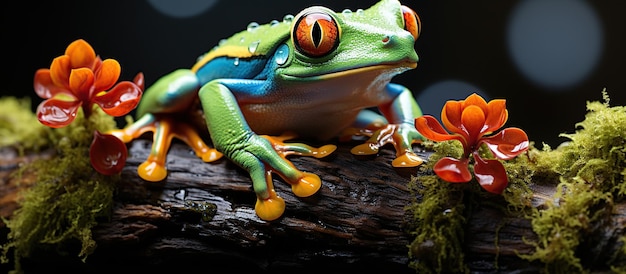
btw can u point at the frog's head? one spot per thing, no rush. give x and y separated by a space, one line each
324 43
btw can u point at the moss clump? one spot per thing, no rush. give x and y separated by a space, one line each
563 225
596 154
440 211
19 127
590 169
68 197
439 219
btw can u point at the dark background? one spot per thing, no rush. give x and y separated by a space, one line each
463 48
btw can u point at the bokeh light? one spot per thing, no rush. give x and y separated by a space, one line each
555 44
182 8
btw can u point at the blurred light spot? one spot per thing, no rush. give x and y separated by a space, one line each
432 99
555 43
182 8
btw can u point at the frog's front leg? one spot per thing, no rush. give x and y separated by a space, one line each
259 155
396 127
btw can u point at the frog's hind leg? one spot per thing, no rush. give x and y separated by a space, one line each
164 129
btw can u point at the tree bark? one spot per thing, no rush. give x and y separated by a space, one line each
202 218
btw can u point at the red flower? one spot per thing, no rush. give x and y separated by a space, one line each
80 79
470 120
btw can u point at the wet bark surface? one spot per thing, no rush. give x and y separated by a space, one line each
202 219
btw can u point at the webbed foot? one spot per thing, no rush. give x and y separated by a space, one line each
164 129
399 135
306 184
264 155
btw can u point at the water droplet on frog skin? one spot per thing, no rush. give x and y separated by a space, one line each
236 62
282 55
346 12
200 57
253 46
288 18
274 23
252 26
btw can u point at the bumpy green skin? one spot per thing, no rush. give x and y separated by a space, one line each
257 82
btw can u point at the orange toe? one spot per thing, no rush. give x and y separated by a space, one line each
308 185
324 151
270 209
210 155
408 159
152 171
365 149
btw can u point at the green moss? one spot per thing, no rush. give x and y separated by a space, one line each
206 209
440 210
19 126
68 197
562 226
518 195
596 154
440 219
590 171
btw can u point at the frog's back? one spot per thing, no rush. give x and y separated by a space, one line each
243 55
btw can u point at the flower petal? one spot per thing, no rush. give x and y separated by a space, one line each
490 174
139 80
508 143
430 128
451 116
473 120
81 82
107 153
120 100
44 87
475 100
57 113
496 115
107 75
453 170
60 71
81 54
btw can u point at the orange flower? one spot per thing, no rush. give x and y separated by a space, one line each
79 78
469 121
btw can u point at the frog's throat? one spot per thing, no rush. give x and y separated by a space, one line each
397 67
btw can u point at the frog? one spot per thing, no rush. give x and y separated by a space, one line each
314 76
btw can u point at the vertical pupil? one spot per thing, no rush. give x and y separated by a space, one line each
316 34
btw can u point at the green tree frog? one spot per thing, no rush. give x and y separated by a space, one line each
317 75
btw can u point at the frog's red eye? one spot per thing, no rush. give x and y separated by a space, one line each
412 22
316 34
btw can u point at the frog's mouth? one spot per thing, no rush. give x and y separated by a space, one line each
384 68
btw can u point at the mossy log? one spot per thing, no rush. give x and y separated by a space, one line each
202 219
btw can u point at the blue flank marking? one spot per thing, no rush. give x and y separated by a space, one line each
231 68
